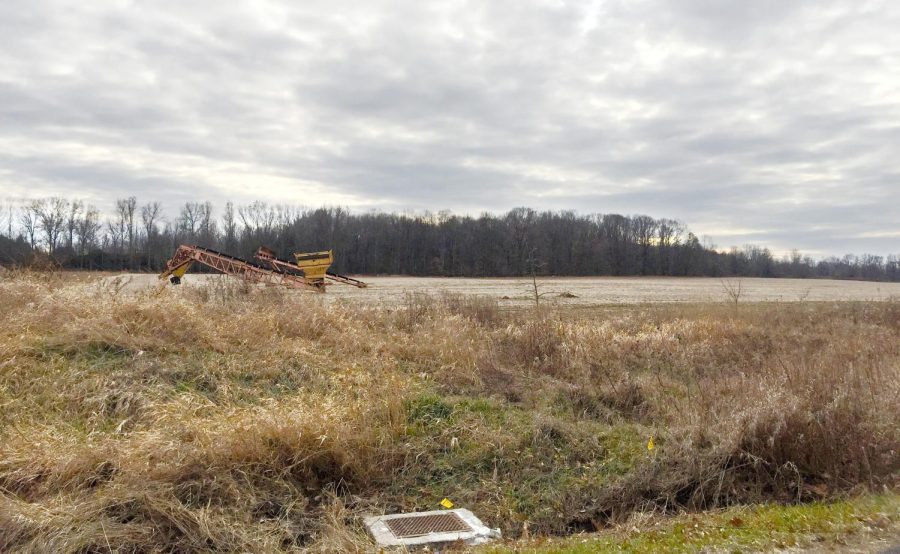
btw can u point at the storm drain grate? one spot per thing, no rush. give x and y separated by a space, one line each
434 528
416 526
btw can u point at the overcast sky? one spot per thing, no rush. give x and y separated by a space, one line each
767 121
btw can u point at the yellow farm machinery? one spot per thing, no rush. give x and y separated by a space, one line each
308 272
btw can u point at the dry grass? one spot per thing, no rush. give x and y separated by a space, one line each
239 419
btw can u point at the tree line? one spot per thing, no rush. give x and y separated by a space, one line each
141 237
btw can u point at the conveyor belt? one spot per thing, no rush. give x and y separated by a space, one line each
230 265
346 280
278 264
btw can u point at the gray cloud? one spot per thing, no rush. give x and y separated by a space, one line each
768 122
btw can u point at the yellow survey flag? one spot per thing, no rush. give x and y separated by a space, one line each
446 503
650 445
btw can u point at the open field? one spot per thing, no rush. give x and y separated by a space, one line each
582 291
233 418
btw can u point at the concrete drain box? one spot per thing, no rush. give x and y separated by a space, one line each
430 528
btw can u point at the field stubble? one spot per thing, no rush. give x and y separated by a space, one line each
234 418
583 292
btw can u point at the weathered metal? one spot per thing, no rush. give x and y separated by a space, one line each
314 265
186 255
414 526
309 273
435 528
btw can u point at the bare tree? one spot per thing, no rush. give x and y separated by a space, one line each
189 218
28 219
115 236
51 220
533 265
229 227
425 244
125 212
87 230
3 220
206 225
734 290
75 208
258 217
285 214
617 231
195 221
150 212
644 232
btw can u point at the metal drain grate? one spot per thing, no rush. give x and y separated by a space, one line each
416 526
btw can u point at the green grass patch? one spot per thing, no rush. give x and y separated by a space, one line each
743 529
487 452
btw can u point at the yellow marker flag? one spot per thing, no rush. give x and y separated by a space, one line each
446 503
650 444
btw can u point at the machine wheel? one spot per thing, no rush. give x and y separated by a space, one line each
175 280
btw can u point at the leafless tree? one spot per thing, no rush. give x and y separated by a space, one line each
285 214
258 217
424 244
50 216
87 229
189 219
115 236
196 224
3 221
150 213
28 219
207 227
75 208
125 224
534 265
229 227
734 290
644 231
617 232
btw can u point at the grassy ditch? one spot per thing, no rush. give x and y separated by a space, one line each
831 526
238 419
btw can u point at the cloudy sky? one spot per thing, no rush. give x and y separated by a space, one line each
772 122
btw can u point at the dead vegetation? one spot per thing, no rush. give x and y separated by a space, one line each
238 419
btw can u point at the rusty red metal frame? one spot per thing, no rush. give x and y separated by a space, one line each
237 267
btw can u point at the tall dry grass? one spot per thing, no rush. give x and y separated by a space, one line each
244 419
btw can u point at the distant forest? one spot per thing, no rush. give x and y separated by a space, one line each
140 237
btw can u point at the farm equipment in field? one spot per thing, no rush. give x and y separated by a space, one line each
314 266
310 271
